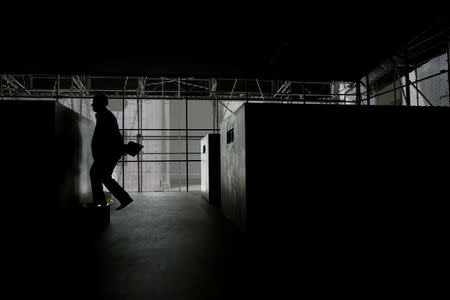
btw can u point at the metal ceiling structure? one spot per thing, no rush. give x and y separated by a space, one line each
59 87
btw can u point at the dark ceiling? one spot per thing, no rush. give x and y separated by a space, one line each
276 40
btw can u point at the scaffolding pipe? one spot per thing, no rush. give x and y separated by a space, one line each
407 80
187 140
123 131
358 93
368 90
448 67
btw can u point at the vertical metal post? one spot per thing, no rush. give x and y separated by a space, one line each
246 89
217 116
304 93
448 67
57 89
407 80
394 70
358 93
186 138
123 130
71 95
81 102
332 97
214 103
417 86
368 91
141 140
345 97
214 116
290 93
138 134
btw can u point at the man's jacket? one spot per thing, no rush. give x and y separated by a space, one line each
107 142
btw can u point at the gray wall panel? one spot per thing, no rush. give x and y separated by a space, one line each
233 169
73 134
210 168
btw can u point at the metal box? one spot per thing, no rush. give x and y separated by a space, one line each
49 175
210 168
337 178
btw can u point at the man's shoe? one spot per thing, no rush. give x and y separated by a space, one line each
125 203
97 205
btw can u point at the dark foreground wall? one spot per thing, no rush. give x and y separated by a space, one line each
45 165
47 159
343 189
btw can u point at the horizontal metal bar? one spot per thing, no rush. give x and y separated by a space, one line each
250 100
257 97
166 160
208 97
167 136
189 79
405 85
171 129
315 95
169 153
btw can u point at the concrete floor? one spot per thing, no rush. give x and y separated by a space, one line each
162 246
176 246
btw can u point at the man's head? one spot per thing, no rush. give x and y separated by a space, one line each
99 102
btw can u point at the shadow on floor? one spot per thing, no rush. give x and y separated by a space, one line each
176 246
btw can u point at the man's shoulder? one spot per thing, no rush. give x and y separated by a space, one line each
106 115
110 114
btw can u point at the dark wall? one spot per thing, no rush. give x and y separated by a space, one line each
233 176
46 159
359 162
357 193
27 147
42 159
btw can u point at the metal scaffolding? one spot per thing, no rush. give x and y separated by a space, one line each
224 95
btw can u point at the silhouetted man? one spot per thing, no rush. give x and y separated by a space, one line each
107 148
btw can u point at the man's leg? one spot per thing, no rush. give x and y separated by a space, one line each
117 191
115 188
96 185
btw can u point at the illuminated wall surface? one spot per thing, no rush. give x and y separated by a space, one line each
73 135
